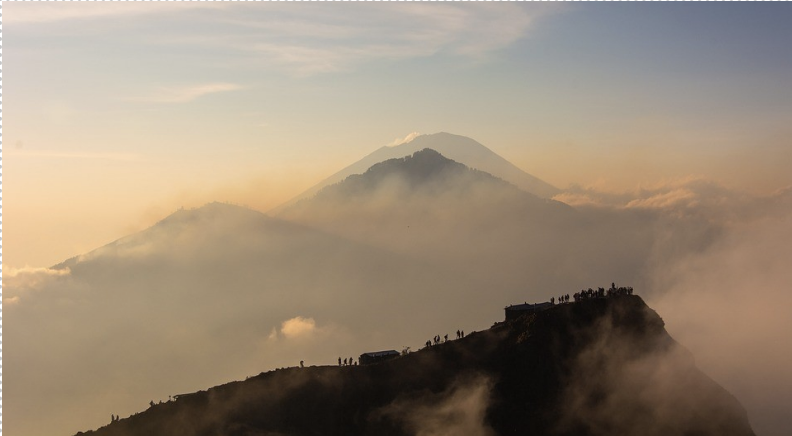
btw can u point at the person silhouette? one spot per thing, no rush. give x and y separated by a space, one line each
345 362
339 361
302 364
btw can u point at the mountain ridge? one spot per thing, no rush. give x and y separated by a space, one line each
458 148
518 377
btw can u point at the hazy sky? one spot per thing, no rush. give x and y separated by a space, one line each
118 113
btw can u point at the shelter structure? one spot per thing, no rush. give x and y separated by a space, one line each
516 310
377 356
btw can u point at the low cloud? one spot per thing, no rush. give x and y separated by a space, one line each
298 327
681 197
663 200
459 410
627 383
17 281
301 328
730 306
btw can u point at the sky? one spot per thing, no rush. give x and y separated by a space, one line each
117 114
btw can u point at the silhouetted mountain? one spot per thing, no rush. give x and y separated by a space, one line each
458 148
424 169
439 200
602 366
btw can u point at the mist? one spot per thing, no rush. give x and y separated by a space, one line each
729 306
219 293
460 409
630 382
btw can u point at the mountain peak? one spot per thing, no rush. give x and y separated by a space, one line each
420 165
425 170
458 148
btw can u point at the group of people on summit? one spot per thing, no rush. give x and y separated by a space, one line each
602 292
594 293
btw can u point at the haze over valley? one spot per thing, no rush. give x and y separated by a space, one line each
412 246
198 193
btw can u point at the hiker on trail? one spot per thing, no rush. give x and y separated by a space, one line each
462 333
552 300
345 362
350 361
302 364
428 344
339 361
445 338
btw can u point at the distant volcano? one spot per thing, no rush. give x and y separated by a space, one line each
425 203
458 148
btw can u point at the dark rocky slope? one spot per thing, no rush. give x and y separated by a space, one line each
597 367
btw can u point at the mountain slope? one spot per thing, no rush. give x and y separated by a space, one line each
431 208
596 367
458 148
437 198
200 297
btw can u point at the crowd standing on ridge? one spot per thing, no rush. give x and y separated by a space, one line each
589 293
437 340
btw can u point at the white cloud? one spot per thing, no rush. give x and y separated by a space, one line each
182 94
404 140
300 41
295 328
336 38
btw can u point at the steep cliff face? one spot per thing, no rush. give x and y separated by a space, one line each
596 367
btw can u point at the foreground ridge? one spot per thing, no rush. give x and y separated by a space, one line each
603 364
